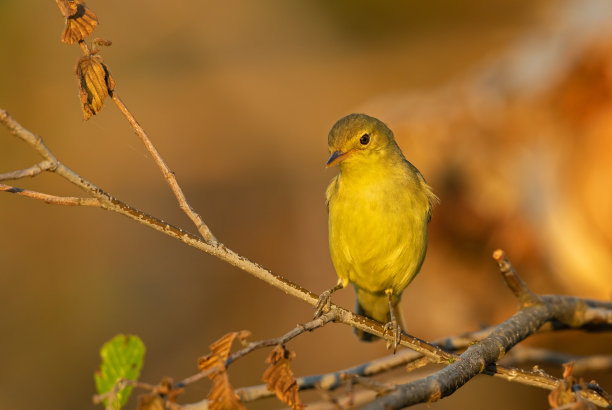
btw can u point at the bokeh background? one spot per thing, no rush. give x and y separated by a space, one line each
504 106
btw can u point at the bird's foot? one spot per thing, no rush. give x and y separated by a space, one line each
393 327
324 303
396 331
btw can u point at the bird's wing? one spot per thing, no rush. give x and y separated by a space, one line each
331 190
431 197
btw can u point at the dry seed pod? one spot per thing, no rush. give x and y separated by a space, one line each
95 83
80 21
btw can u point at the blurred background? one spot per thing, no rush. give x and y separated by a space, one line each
505 107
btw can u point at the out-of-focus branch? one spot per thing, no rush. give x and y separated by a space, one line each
481 356
582 364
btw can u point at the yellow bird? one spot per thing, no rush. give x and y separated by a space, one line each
379 207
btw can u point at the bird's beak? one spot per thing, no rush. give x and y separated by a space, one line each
337 157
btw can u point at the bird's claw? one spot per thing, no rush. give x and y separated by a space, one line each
324 304
396 331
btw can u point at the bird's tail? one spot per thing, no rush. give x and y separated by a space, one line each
376 306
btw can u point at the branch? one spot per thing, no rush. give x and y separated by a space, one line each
51 199
524 295
217 249
480 357
169 175
28 172
298 330
406 357
582 364
535 311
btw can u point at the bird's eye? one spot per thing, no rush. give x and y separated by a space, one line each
365 138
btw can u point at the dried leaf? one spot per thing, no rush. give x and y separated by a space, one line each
80 21
219 351
150 401
561 395
221 395
95 83
564 394
279 377
568 368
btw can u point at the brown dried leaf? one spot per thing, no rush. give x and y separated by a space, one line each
564 395
561 395
95 83
219 351
568 368
80 21
150 401
279 377
222 395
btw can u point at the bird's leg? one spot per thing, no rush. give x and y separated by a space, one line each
324 303
392 326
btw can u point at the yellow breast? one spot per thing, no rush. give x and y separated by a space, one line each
378 218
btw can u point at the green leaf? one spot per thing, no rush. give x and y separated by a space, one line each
122 357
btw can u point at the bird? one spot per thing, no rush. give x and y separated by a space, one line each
379 207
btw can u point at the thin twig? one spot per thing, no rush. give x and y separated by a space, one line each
298 330
377 386
51 199
118 386
524 295
28 172
168 175
582 364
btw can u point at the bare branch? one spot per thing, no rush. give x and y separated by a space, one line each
28 172
581 313
525 296
169 175
51 199
298 330
582 364
377 386
480 357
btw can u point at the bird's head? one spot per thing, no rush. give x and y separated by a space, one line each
358 136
